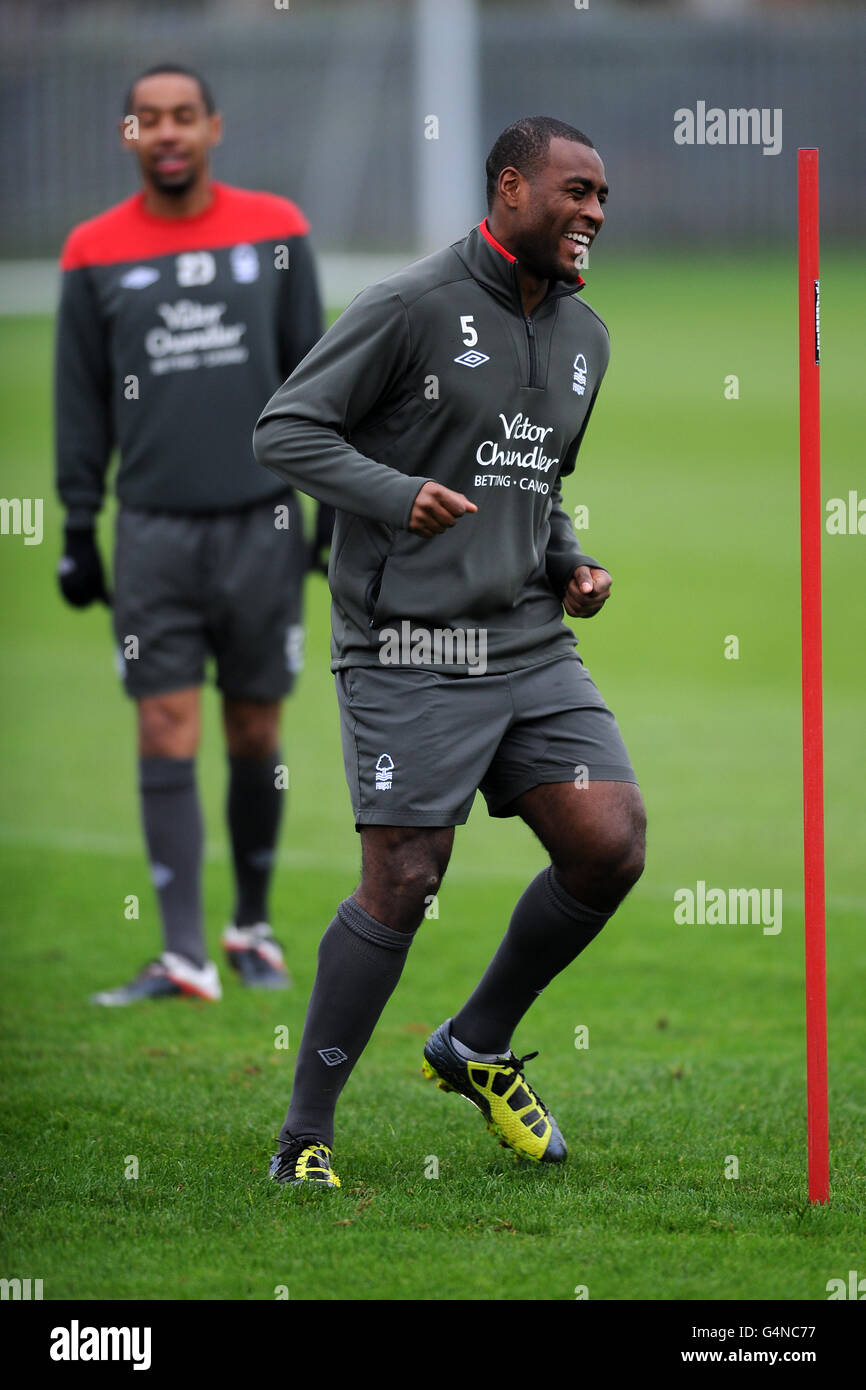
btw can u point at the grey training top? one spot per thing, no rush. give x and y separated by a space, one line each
435 374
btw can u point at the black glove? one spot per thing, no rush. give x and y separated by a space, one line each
80 572
325 518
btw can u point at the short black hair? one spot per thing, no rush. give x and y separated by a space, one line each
524 145
206 93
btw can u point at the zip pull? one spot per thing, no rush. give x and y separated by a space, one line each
530 333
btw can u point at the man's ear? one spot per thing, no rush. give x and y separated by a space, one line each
509 185
215 129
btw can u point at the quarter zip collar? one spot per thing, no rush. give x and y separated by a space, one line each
492 266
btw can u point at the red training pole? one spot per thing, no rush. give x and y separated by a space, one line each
813 729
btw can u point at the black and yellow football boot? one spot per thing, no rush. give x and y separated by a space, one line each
304 1160
514 1113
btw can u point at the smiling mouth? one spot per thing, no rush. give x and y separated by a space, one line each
170 164
580 243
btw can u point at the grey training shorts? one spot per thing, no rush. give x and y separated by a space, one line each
228 586
417 744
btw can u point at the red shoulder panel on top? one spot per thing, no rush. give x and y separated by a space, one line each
128 232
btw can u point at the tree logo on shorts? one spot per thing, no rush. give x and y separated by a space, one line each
384 769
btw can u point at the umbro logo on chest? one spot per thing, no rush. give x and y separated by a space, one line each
472 358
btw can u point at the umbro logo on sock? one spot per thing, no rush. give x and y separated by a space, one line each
161 874
332 1056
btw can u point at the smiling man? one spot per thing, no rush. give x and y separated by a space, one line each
181 309
439 415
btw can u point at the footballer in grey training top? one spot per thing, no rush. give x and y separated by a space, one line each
439 415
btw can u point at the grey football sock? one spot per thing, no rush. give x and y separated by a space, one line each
173 831
254 807
548 929
469 1054
360 962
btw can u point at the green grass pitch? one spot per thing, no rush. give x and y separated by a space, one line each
696 1033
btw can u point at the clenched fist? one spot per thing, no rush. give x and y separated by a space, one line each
588 589
436 508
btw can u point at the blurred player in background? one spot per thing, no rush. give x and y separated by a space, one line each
183 308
